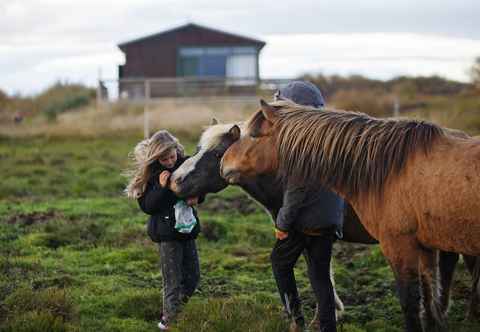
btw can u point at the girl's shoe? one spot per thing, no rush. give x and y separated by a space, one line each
163 325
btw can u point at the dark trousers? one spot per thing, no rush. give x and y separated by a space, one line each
318 251
180 272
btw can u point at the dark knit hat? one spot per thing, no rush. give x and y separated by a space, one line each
301 92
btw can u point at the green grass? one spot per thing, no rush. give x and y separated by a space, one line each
75 255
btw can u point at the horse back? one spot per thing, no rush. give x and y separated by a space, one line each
437 197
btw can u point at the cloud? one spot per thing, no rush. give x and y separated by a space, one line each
380 55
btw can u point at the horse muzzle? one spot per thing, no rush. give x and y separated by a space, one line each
231 176
174 184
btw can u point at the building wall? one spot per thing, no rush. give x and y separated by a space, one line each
150 59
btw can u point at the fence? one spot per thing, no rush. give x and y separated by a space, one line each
148 92
145 90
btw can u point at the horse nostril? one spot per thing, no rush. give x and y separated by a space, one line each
229 175
179 180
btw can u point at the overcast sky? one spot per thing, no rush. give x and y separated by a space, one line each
43 41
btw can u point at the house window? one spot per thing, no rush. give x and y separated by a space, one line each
232 62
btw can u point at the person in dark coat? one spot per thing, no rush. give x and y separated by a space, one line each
299 216
155 159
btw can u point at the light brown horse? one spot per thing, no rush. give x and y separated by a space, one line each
414 186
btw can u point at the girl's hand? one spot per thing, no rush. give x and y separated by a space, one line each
280 235
163 178
192 201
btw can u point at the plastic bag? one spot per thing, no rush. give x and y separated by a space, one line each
185 220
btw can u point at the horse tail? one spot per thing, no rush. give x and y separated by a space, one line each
339 307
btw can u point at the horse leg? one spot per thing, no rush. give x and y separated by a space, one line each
432 314
447 261
473 265
402 254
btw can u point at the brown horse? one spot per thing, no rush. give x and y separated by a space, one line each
201 174
392 172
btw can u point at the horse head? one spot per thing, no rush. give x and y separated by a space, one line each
199 174
254 154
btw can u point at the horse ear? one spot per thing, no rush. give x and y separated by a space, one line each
235 132
268 111
213 122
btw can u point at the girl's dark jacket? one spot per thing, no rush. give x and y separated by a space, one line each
159 203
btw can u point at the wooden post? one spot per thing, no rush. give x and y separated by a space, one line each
146 124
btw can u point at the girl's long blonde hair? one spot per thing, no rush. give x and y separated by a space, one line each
144 155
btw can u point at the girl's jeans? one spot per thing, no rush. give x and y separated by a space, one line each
180 272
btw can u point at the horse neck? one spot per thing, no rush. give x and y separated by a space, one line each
267 191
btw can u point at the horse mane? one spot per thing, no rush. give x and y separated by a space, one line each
254 123
350 151
212 135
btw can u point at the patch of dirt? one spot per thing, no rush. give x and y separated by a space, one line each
242 204
27 219
346 252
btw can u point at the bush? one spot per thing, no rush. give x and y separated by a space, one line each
35 321
426 85
142 304
60 280
62 97
69 232
43 310
52 300
126 236
375 103
3 100
213 230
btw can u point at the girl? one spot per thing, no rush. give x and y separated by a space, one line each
154 160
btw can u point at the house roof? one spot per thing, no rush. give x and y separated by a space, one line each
243 39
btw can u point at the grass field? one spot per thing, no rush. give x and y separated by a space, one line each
75 255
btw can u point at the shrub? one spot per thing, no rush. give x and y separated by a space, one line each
142 304
62 97
426 85
213 230
34 321
48 309
374 103
258 237
60 280
127 235
81 233
53 301
3 100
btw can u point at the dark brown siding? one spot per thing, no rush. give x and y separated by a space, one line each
150 59
156 56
